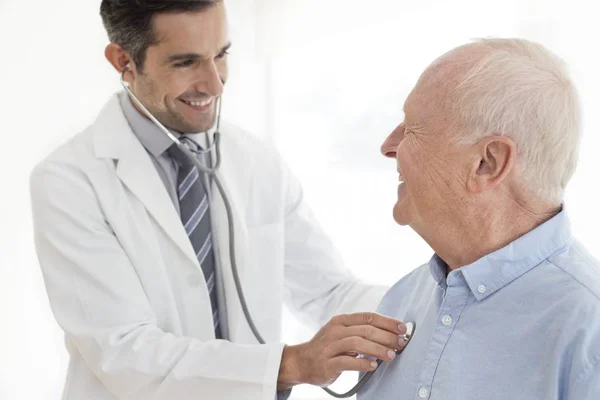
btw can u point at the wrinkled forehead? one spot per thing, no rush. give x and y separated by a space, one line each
429 103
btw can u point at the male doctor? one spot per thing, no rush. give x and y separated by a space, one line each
134 247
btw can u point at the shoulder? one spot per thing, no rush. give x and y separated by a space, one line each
575 282
255 157
567 286
243 141
580 272
75 154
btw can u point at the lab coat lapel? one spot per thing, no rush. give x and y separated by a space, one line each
115 139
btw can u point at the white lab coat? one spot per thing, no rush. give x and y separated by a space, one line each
125 285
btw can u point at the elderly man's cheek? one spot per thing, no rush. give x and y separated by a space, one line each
438 183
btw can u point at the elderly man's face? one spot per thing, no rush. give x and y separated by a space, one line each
431 166
444 181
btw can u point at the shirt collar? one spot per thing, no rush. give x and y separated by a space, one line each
150 135
438 269
496 270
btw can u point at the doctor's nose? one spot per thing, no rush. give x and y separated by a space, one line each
212 80
390 144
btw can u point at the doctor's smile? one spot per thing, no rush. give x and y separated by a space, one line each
200 105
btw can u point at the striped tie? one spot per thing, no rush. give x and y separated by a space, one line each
195 216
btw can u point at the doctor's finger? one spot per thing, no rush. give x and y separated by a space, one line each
359 345
346 363
376 335
374 319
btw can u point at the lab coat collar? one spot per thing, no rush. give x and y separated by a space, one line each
114 139
151 136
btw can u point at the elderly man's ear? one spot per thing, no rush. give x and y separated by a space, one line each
493 160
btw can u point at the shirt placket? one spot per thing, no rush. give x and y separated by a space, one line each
452 305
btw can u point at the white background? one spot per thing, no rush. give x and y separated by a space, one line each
324 80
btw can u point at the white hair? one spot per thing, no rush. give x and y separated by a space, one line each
521 90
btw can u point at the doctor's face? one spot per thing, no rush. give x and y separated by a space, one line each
184 73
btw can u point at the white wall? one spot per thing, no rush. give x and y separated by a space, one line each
324 80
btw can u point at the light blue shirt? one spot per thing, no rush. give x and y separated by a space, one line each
520 323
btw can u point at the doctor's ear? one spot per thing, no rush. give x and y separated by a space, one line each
119 58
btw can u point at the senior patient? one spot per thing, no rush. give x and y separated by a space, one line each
509 305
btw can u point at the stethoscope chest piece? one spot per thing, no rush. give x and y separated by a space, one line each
410 330
408 335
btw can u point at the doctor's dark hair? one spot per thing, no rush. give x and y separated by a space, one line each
129 23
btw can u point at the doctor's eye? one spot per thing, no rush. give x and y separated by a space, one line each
223 54
186 63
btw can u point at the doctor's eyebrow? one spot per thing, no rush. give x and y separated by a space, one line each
194 56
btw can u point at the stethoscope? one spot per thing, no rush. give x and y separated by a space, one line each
212 174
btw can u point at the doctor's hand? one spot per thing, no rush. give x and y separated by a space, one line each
335 348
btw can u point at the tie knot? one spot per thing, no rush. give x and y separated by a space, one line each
190 144
179 156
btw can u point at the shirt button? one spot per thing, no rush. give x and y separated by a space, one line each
423 393
481 289
446 320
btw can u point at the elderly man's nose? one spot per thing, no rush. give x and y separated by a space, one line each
389 146
387 150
